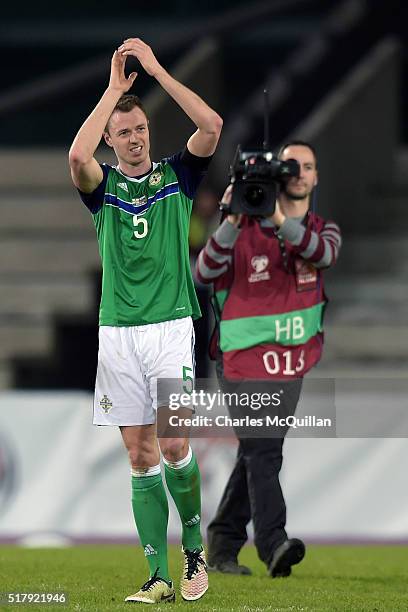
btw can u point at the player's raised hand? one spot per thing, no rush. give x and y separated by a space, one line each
118 80
142 51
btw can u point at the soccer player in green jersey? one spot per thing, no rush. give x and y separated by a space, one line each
141 212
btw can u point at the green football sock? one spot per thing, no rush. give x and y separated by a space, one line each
151 512
183 481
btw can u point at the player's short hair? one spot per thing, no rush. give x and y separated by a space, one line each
298 143
125 104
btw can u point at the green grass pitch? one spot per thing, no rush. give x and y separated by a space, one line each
330 579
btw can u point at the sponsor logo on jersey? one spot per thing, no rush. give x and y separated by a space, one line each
306 275
139 201
259 263
149 550
106 404
123 186
155 179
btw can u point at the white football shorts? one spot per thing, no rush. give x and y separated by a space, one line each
130 362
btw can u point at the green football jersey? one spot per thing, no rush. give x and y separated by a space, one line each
142 225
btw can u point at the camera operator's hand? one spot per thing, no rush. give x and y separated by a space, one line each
235 220
278 217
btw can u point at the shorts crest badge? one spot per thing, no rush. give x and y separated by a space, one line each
106 404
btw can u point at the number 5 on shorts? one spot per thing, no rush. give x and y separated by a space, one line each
188 380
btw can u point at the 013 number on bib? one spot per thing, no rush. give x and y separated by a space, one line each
274 365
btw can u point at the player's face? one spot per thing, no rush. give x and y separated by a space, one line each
299 188
129 137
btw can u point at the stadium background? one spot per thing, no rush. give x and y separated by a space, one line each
337 75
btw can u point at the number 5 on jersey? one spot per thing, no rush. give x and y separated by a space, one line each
141 224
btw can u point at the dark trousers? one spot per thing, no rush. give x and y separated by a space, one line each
253 492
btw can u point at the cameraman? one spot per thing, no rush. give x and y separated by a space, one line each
268 282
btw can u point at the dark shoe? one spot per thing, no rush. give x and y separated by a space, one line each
229 567
287 554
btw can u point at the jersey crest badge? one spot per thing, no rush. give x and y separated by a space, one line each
123 186
155 179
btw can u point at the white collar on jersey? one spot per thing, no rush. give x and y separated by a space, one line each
134 179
